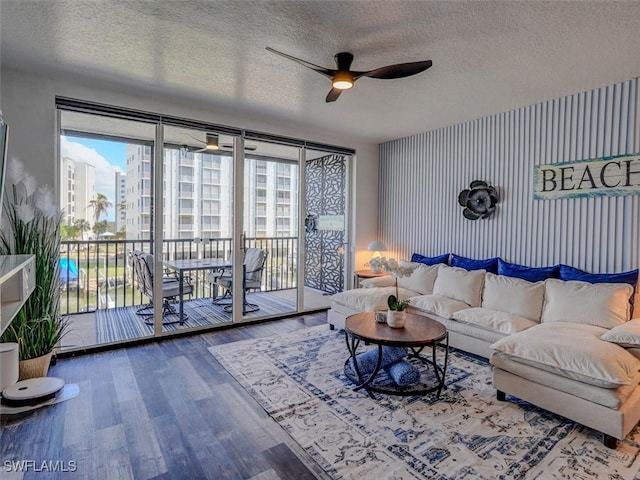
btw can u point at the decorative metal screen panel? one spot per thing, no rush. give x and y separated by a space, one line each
324 235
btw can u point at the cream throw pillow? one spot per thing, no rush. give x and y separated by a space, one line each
421 279
460 284
626 335
603 304
513 295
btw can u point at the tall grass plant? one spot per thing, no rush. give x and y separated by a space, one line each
31 225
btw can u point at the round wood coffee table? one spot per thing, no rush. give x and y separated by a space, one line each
419 332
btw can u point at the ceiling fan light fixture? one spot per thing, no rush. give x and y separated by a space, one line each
212 142
342 80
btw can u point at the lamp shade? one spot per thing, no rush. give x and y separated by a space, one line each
376 246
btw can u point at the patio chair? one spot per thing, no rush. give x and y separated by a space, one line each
135 259
253 265
170 291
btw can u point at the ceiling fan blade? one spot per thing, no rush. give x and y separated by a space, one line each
191 136
399 70
333 95
324 71
229 146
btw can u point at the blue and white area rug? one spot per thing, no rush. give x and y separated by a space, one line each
298 379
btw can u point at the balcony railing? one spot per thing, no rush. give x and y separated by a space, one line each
105 277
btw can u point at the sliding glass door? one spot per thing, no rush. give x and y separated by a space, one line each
198 223
236 226
270 228
106 187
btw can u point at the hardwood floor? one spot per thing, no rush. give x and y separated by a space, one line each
165 410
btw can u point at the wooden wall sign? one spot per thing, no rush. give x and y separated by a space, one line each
612 176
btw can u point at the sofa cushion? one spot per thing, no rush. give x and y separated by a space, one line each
416 257
531 274
460 284
421 279
513 295
386 281
604 304
493 320
370 299
571 273
573 351
609 397
490 264
442 306
626 335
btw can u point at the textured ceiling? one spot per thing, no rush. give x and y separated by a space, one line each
488 56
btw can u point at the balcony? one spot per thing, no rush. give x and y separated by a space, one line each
106 262
102 299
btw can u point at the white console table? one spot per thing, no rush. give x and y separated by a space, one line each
17 281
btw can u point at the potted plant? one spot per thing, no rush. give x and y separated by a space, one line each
33 222
394 303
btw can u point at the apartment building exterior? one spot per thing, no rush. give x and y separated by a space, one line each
77 189
198 195
120 201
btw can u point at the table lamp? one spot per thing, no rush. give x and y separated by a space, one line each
376 247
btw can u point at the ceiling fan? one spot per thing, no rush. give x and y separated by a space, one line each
212 144
342 78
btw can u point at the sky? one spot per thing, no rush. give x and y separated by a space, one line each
107 157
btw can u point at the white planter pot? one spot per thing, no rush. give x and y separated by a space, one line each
395 319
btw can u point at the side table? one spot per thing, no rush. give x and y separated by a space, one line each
363 274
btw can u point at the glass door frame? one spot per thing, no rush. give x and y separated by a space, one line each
160 121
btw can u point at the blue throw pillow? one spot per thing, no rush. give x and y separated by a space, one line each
572 273
416 257
490 264
531 274
403 373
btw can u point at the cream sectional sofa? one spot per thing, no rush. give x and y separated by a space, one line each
566 346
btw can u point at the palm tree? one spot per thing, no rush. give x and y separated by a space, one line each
100 205
100 227
83 226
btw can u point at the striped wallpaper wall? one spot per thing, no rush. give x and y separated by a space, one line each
421 176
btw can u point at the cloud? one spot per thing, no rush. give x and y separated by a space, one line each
105 171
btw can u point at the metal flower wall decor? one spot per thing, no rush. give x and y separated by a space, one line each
479 201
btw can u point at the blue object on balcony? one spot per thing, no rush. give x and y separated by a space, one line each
68 273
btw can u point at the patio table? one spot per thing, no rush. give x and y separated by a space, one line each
191 264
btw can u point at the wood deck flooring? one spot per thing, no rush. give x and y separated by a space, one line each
165 410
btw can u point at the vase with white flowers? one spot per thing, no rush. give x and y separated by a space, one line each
31 225
395 315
